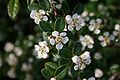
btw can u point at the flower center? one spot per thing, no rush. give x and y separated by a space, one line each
107 40
42 49
39 16
75 22
58 39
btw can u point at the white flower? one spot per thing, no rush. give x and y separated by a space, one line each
81 61
42 50
58 39
11 73
95 25
18 51
53 79
105 39
26 67
12 59
98 73
86 41
38 16
8 47
97 56
76 21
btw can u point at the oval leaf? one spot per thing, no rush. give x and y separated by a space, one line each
78 9
13 8
51 66
46 73
61 71
60 24
45 26
65 53
77 48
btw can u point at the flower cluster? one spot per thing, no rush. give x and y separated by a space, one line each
75 21
42 50
38 16
86 41
106 39
81 61
58 39
95 26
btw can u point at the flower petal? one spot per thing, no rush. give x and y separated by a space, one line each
32 14
59 46
52 41
63 34
45 18
55 33
70 27
65 40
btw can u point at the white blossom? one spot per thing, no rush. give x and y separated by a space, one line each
86 41
95 25
38 16
98 73
26 67
12 59
42 50
8 47
18 51
81 61
106 38
97 56
11 73
58 39
75 21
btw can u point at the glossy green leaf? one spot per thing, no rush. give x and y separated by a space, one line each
46 73
59 24
65 7
61 71
78 9
77 48
13 8
51 66
44 4
33 6
45 26
65 53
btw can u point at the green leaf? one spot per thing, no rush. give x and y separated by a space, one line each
65 7
65 53
63 61
77 48
61 71
45 26
46 73
30 1
33 6
45 5
59 24
13 8
51 66
78 9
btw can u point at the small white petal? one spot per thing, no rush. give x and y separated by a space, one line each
106 34
52 41
37 21
91 28
44 43
37 47
91 78
100 38
70 27
47 49
112 37
99 21
59 46
44 55
42 12
55 33
45 18
68 19
97 31
117 27
76 67
63 34
98 73
65 40
90 46
78 27
103 44
75 16
92 21
58 6
76 59
115 33
32 14
82 66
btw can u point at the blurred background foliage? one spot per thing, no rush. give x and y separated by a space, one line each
18 36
